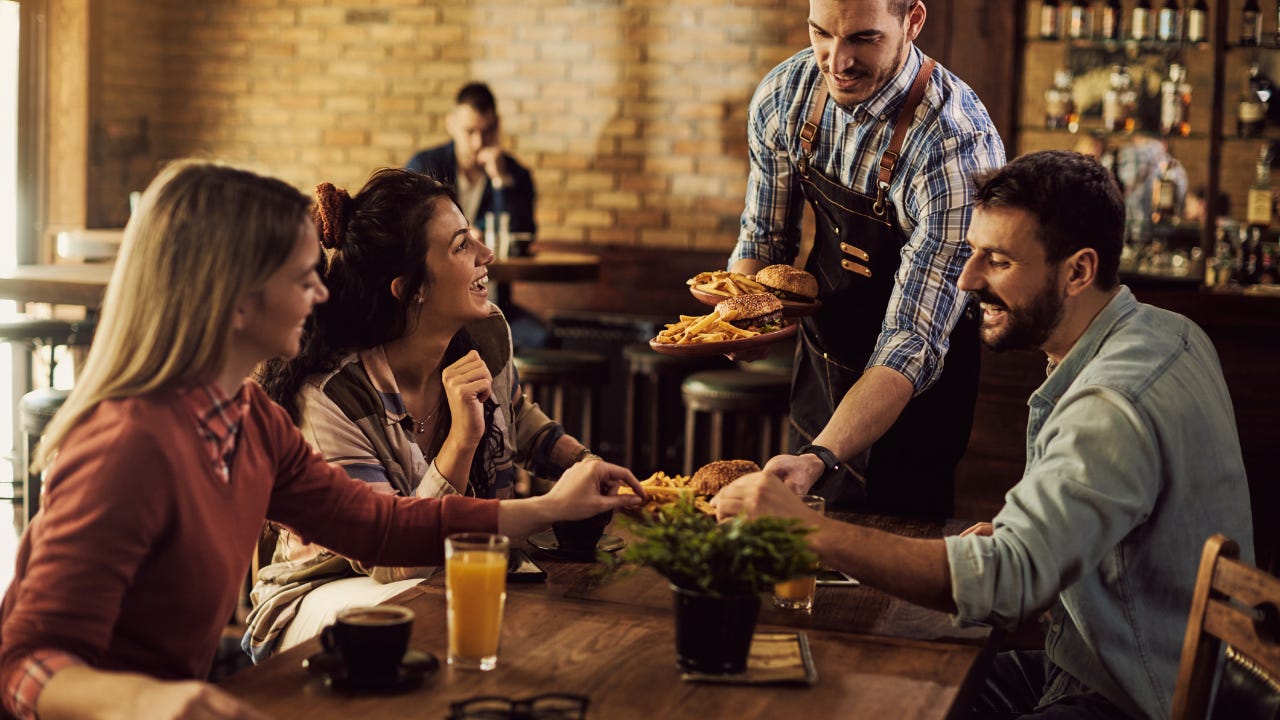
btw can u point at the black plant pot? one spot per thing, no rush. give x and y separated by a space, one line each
713 634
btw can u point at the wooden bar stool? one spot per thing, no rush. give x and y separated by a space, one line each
551 377
758 398
653 393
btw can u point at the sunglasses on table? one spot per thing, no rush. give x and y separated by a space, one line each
551 706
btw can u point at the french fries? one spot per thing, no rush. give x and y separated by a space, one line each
707 328
725 283
664 489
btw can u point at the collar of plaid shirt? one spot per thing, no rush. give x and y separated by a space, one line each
218 418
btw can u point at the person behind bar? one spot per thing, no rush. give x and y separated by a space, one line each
1133 462
164 461
882 142
488 182
406 380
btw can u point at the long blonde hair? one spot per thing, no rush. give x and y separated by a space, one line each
204 235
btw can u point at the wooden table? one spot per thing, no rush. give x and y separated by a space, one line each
559 267
85 284
59 284
611 638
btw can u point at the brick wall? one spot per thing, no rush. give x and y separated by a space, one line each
630 112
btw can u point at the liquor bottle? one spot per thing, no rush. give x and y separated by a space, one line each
1169 22
1050 19
1251 115
1259 212
1060 105
1120 102
1198 22
1140 28
1164 194
1080 20
1110 24
1250 23
1175 102
1278 24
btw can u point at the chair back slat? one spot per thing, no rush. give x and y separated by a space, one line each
1223 609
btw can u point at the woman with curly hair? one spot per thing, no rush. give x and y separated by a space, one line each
406 380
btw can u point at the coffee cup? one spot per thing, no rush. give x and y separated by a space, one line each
370 640
581 535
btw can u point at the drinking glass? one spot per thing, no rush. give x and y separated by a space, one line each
475 591
797 594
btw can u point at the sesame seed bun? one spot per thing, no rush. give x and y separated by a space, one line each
756 311
792 283
714 476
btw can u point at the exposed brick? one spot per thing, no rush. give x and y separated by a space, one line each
631 115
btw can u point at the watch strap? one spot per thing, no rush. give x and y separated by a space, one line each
828 458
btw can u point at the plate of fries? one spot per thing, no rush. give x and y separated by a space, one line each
706 335
664 489
713 286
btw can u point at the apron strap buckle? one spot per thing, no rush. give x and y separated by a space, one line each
888 161
808 132
881 189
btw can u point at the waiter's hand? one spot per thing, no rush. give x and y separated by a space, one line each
797 472
758 494
749 355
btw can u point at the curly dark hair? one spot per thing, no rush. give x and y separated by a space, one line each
370 240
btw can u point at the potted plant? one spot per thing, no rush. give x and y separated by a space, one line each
717 573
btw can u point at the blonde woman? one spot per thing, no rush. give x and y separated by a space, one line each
164 462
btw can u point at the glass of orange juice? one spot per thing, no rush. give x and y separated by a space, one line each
798 594
475 590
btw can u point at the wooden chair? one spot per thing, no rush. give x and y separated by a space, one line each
1239 605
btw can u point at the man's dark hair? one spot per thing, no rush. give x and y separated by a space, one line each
1075 200
479 97
900 8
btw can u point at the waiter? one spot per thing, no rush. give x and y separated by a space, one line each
882 143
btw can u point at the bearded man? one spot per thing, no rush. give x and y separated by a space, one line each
883 143
1132 463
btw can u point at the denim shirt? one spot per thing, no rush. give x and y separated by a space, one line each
1132 463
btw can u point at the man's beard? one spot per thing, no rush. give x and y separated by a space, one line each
879 77
1024 327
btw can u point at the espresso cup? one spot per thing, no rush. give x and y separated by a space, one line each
371 640
581 535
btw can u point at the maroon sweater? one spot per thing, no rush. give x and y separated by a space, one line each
137 556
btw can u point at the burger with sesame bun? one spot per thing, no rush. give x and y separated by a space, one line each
759 312
714 476
788 283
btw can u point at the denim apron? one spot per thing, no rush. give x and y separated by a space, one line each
856 253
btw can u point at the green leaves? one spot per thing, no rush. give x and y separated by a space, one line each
737 557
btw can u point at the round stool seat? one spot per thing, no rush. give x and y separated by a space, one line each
780 360
56 332
737 390
37 408
549 366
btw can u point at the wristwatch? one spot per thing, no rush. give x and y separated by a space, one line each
828 458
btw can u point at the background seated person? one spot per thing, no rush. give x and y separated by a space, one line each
406 380
164 461
1133 463
487 179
